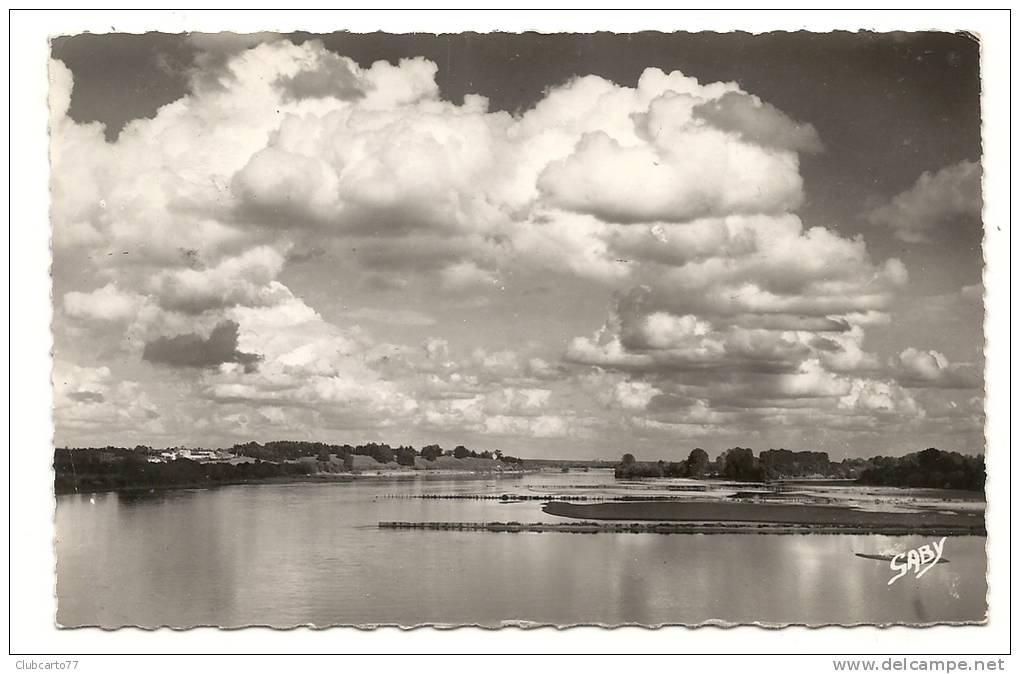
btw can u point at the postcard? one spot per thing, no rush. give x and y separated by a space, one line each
517 329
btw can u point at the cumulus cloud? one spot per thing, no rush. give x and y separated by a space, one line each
822 366
677 198
191 350
681 177
246 280
758 122
108 303
844 351
278 187
639 336
517 400
503 412
407 173
614 391
931 368
882 397
89 401
564 241
950 197
660 330
329 75
213 53
696 419
397 161
307 363
813 381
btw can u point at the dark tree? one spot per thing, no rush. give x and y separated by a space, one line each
697 463
382 453
674 469
739 464
431 452
784 463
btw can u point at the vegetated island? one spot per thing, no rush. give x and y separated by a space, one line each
931 468
782 517
772 469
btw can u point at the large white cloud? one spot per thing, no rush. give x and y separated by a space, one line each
686 175
676 196
375 153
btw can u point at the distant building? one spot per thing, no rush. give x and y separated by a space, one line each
201 455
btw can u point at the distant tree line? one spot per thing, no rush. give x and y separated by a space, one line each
930 468
111 468
107 469
695 465
291 450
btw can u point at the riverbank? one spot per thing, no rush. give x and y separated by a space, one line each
62 489
848 520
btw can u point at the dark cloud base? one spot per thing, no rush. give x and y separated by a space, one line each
192 350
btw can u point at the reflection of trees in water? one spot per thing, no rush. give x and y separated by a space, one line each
157 495
135 496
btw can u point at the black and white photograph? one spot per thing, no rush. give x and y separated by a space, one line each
481 329
517 329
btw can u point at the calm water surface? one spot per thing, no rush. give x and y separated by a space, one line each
303 554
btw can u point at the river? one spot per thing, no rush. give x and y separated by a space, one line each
312 554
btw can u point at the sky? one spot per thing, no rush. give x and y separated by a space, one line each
553 245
